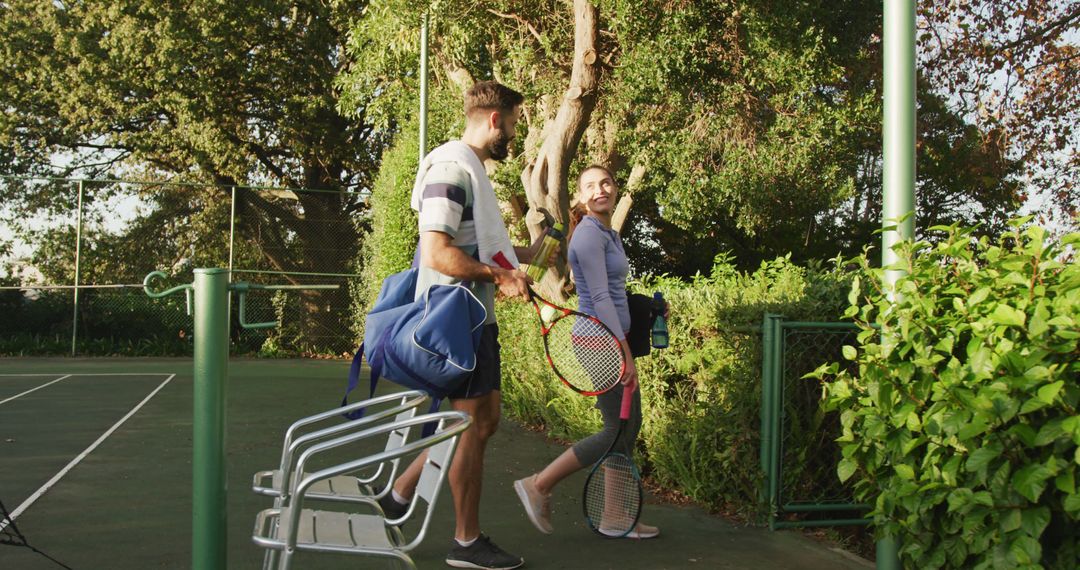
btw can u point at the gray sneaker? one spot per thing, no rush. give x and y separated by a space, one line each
391 508
482 554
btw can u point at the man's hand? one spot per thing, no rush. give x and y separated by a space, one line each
512 283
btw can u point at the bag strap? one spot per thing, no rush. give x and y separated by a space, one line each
354 372
353 381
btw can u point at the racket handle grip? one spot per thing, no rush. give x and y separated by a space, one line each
501 260
627 400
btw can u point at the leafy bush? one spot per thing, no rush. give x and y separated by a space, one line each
961 425
701 396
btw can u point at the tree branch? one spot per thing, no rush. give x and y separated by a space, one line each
1038 34
520 20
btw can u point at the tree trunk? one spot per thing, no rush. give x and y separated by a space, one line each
545 176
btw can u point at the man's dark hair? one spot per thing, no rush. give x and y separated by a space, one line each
493 96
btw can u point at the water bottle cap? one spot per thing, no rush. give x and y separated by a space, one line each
557 230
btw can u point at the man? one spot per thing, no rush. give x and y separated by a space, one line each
461 233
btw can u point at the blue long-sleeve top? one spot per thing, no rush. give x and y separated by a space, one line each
600 267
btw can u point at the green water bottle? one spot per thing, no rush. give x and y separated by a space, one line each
550 242
659 327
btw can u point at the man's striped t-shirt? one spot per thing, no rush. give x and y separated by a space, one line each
446 206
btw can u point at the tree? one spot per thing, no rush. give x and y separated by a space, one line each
1012 68
228 94
749 126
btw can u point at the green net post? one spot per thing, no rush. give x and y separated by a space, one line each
211 371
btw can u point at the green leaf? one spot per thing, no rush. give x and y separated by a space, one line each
1035 520
849 352
983 498
904 471
1026 550
1010 520
960 498
1072 505
982 456
1049 433
1030 481
1025 432
1066 482
1047 393
1032 405
978 296
1037 326
1009 316
845 469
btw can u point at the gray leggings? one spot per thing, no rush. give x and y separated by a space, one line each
589 450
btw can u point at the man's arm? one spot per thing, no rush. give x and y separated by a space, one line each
438 252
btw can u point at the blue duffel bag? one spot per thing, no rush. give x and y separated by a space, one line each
426 344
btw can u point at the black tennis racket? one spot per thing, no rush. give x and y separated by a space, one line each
582 351
613 493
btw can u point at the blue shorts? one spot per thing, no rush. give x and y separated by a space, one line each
487 376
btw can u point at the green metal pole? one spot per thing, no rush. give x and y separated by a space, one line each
898 151
423 84
232 227
78 256
898 144
777 404
211 371
766 410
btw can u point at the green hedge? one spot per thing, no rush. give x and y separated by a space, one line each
963 429
701 396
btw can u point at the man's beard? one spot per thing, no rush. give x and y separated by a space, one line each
500 147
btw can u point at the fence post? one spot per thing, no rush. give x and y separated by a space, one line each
78 252
208 432
766 408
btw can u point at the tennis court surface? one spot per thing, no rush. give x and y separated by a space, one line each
96 466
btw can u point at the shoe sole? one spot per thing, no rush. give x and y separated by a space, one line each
523 496
632 534
464 564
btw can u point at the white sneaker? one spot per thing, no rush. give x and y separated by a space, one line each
640 531
537 506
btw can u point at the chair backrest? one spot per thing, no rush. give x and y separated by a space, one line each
406 406
395 440
440 445
303 426
432 478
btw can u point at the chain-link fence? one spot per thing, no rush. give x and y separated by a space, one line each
73 254
799 449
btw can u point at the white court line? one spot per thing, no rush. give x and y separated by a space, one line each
35 389
37 494
97 374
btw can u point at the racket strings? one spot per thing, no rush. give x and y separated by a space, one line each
613 496
585 354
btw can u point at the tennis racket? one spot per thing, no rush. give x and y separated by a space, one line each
613 493
582 351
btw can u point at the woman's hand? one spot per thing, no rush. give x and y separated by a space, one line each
630 377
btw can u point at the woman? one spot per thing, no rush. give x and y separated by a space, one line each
599 264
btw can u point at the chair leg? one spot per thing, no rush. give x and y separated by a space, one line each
406 559
285 561
271 557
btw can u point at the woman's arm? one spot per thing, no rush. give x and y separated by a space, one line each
589 249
